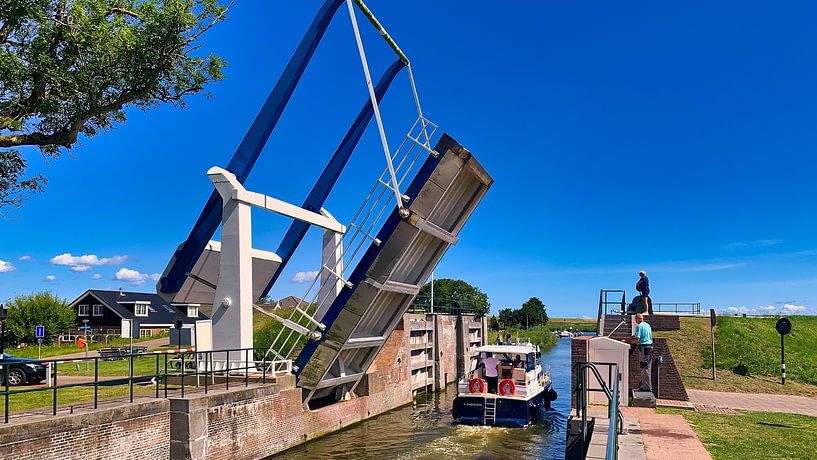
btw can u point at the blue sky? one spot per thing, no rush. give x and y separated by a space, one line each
675 138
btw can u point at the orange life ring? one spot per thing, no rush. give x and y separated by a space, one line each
507 387
477 385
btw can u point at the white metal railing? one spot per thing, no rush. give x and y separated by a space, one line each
369 217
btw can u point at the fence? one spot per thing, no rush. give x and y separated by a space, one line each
156 369
616 420
685 308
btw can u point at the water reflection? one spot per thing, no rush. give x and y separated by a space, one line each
426 430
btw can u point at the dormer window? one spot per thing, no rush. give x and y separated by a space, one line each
192 311
140 309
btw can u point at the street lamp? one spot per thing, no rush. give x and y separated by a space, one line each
3 316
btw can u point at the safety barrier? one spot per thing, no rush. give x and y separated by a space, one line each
187 366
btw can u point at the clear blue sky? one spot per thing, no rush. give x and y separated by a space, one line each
675 138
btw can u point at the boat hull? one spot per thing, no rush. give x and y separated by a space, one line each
513 412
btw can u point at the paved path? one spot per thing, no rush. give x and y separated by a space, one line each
755 401
648 436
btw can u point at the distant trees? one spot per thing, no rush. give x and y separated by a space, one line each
41 308
531 313
460 291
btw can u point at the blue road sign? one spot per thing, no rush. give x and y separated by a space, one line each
85 328
39 332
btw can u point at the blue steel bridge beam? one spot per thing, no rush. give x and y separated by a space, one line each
250 148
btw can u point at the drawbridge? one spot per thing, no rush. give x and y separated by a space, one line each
371 268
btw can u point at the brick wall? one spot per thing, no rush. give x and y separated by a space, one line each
663 322
133 431
671 386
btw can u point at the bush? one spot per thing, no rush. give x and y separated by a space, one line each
41 308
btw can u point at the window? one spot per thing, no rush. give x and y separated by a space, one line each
98 310
82 310
192 311
140 309
145 332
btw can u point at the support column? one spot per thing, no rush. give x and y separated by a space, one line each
233 302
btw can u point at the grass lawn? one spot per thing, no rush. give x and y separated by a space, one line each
141 366
691 349
65 349
74 396
754 434
577 324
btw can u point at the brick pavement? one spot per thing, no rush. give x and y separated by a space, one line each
755 401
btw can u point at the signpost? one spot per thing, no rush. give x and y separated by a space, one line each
713 321
783 327
39 333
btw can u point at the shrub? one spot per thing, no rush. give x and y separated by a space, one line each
41 308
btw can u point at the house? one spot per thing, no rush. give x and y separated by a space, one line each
288 302
105 310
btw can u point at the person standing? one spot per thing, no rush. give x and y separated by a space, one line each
491 374
643 332
643 288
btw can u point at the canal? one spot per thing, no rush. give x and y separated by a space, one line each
425 429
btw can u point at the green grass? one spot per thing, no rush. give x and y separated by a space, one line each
141 366
65 349
577 324
754 434
74 396
691 350
755 344
539 335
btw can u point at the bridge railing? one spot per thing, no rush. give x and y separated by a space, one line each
423 304
158 373
688 308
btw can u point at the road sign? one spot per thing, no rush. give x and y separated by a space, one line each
783 327
39 332
85 328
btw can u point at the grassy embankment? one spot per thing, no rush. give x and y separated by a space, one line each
539 335
754 434
576 324
748 355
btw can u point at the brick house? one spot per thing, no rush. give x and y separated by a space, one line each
104 311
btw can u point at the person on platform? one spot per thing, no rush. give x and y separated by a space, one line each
643 288
491 365
499 339
643 332
508 339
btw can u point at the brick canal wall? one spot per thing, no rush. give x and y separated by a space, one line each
133 431
240 423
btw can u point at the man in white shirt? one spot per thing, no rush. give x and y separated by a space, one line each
491 374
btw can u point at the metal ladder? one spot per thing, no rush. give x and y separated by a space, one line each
489 412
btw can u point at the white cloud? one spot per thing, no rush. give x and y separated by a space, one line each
50 278
766 310
85 262
96 276
754 244
304 277
25 258
133 276
6 266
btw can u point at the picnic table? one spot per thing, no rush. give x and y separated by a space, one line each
112 353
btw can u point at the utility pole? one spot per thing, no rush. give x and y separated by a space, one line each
432 292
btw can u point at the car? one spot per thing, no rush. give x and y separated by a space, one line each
21 370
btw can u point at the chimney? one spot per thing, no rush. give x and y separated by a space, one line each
121 294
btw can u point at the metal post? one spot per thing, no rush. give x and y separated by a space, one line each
246 367
3 316
227 372
165 375
54 406
712 332
264 369
156 379
207 369
432 292
96 382
130 377
783 358
6 372
181 355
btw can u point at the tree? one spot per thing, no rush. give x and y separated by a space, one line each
533 312
71 67
459 291
493 323
508 317
41 308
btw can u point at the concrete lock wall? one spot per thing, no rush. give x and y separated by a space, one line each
247 423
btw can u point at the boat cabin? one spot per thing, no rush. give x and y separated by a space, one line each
519 363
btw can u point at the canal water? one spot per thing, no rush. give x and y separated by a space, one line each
426 430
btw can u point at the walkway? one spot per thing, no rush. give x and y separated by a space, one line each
755 401
648 436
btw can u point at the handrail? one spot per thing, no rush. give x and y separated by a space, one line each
613 414
616 419
186 361
678 307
